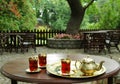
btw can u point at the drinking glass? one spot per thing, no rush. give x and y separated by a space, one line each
33 63
65 66
42 60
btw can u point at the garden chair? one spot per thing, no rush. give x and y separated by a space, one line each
112 40
12 43
27 41
3 42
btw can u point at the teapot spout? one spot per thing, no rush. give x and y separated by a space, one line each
100 65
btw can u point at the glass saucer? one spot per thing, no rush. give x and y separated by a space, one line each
42 67
65 74
36 71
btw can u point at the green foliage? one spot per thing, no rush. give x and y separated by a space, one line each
43 28
108 15
91 17
36 6
17 15
21 14
102 15
55 13
116 4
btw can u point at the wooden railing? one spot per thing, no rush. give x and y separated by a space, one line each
41 36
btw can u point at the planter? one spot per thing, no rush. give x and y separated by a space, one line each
64 43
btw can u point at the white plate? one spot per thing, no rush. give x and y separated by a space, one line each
36 71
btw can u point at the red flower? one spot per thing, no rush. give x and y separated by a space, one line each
67 36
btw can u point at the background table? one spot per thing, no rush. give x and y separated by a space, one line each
15 70
94 41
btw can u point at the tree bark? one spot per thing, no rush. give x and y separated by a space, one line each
77 15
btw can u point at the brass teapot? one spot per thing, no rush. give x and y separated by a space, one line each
88 66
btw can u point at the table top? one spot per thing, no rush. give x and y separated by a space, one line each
100 31
15 70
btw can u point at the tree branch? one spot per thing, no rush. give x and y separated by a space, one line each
88 4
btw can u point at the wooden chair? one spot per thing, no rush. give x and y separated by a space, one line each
3 42
112 40
26 41
12 43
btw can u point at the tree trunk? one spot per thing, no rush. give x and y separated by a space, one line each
73 25
77 15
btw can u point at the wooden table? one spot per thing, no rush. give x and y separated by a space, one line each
15 70
94 41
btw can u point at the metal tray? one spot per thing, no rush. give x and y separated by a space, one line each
55 69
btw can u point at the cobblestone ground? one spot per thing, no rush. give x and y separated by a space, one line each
10 56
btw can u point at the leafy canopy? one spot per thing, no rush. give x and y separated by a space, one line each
17 15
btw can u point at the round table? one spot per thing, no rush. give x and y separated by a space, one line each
15 70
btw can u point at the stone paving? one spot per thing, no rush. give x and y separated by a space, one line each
10 56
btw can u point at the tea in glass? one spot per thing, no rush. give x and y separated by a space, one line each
42 59
65 66
33 63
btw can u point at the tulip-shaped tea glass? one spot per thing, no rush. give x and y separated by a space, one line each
33 63
65 66
42 60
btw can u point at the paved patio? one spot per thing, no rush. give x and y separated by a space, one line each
10 56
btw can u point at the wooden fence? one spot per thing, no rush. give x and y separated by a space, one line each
41 36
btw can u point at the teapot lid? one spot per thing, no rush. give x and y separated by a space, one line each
87 59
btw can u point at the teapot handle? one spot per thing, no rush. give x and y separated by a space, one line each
76 66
